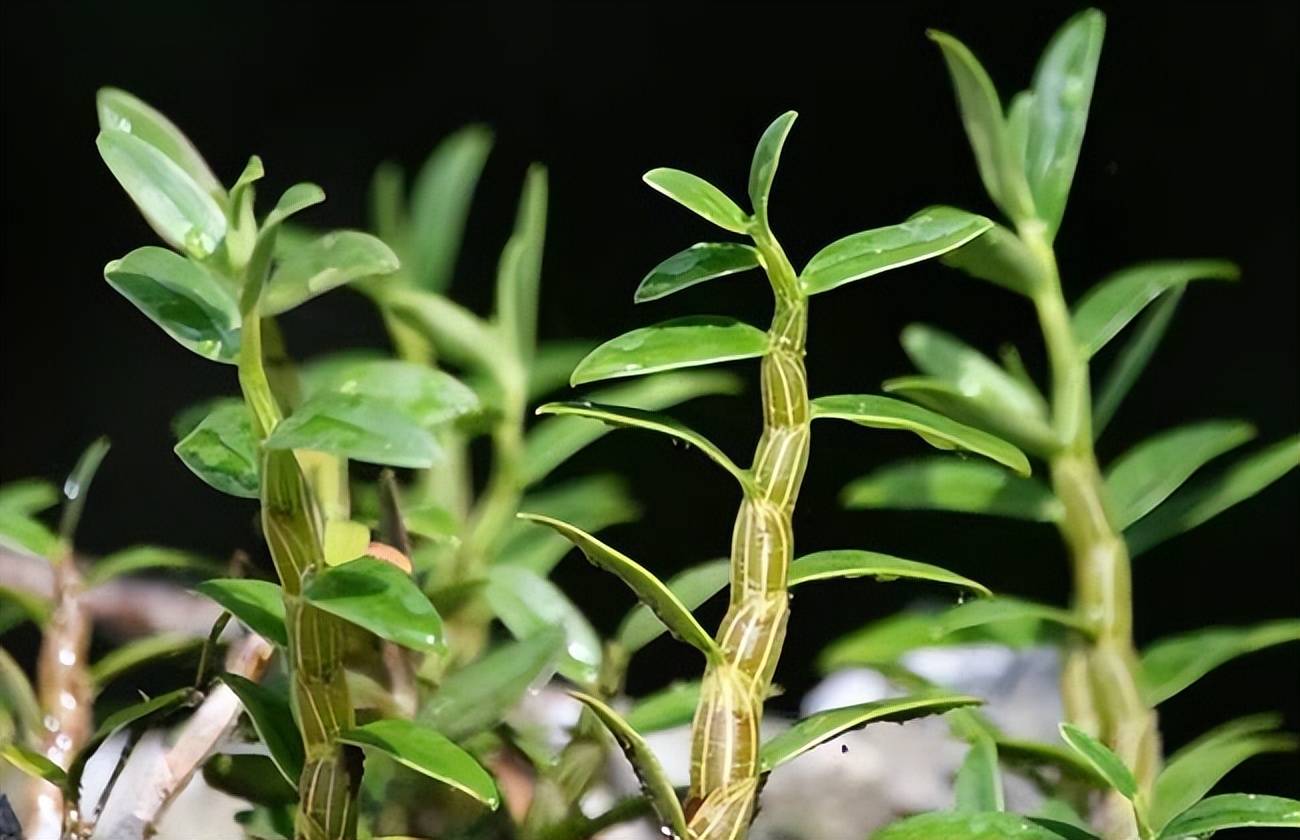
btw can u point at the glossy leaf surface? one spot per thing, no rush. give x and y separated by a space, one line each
120 111
994 610
330 261
998 256
700 197
428 752
430 397
989 825
762 169
590 502
381 598
1172 664
685 342
953 484
274 723
848 563
692 587
1233 810
221 450
697 264
440 200
528 603
34 764
257 603
352 426
1105 762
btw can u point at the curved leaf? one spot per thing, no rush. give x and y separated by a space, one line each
1111 304
380 598
672 707
427 752
929 233
146 558
357 428
34 764
28 496
692 587
654 781
457 333
528 603
635 418
593 503
519 273
1132 358
330 261
26 534
430 397
1233 810
17 697
937 430
140 651
440 200
1172 664
953 484
698 263
999 256
1147 474
848 563
990 825
684 342
121 111
700 197
649 589
978 784
1105 762
991 610
273 720
259 604
222 451
823 726
767 156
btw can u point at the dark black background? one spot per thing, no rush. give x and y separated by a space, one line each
1191 152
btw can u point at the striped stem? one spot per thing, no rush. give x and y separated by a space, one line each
725 733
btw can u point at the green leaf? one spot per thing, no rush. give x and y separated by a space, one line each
141 558
935 429
990 825
692 587
291 202
182 297
882 642
996 156
249 776
1195 769
135 715
174 205
929 233
259 604
221 450
552 364
380 598
995 610
999 256
593 503
355 427
762 170
475 697
635 418
1105 762
527 603
847 563
953 484
649 589
654 781
26 534
120 111
34 764
17 695
1058 113
823 726
330 261
428 752
553 441
1233 810
343 541
519 273
978 785
430 397
1207 498
1132 358
1172 664
1150 472
31 607
672 707
141 651
700 197
440 202
28 496
457 334
684 342
273 720
698 263
1111 304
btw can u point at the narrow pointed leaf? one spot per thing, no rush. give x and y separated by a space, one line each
380 598
1150 472
430 397
928 234
17 697
519 273
357 428
593 503
26 534
28 496
176 207
221 450
937 430
440 200
1132 358
554 440
34 764
685 342
1105 762
1233 810
692 587
120 111
978 785
527 604
700 197
697 264
182 297
458 334
1204 499
999 256
884 641
473 698
259 604
989 825
428 752
635 418
649 589
981 114
672 707
654 781
330 261
823 726
1172 664
143 558
762 170
953 484
132 716
848 563
1058 113
139 652
273 720
992 610
1111 304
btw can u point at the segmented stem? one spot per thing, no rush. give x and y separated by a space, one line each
725 735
